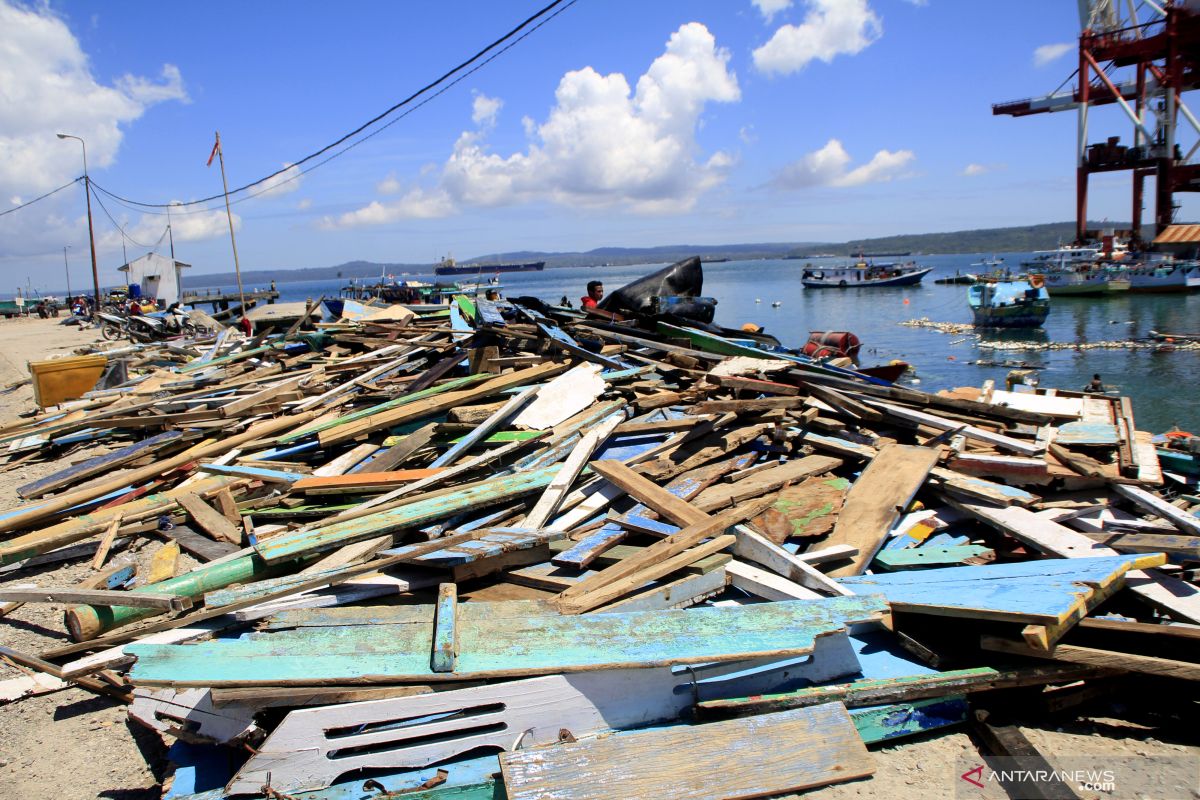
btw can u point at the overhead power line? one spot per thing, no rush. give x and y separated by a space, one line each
502 44
43 197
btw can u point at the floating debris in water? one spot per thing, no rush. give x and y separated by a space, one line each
967 331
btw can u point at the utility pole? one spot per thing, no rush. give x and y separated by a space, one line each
67 267
229 214
87 191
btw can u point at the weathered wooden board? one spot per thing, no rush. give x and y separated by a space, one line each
877 499
563 397
725 494
533 645
806 510
1048 593
808 747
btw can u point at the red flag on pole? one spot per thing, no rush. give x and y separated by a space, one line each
213 154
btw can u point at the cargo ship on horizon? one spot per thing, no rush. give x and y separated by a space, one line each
448 266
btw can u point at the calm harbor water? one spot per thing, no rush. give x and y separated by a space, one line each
1163 385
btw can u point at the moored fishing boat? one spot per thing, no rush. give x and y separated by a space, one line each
863 274
1089 281
1009 303
1162 277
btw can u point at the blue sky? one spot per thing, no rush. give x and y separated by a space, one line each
617 123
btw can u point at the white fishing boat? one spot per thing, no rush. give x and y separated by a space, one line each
1162 277
863 274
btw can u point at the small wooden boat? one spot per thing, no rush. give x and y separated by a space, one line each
863 274
1010 303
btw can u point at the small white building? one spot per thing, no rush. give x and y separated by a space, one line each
160 277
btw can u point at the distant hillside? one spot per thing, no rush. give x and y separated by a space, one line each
984 240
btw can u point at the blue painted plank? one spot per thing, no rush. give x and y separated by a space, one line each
1041 591
242 471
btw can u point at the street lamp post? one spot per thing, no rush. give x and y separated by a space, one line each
67 267
87 186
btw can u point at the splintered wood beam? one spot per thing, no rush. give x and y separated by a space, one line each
650 493
445 629
1094 657
210 520
97 597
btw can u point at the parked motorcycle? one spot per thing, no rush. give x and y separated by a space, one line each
112 326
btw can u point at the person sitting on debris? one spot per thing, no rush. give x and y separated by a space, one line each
565 302
595 291
1095 386
492 295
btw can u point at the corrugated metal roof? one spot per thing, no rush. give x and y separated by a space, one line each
1179 234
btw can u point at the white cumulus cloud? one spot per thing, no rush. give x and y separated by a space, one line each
1050 52
602 144
285 182
830 28
971 170
830 166
769 8
484 109
48 87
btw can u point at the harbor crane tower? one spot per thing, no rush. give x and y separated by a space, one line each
1144 65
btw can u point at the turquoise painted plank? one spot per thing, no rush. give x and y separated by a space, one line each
1086 433
1043 591
533 645
928 555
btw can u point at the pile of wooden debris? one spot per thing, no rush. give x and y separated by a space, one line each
471 554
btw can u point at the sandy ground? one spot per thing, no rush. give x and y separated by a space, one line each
71 745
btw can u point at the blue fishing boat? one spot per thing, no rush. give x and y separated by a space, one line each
1009 303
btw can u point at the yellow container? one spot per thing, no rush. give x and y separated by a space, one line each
60 379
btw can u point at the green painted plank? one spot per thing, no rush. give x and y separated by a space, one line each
419 512
451 385
524 646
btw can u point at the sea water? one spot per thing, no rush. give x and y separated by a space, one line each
1163 385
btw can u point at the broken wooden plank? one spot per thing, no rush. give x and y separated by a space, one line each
1179 599
445 629
552 497
209 519
649 493
877 499
1049 595
1093 657
1179 518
